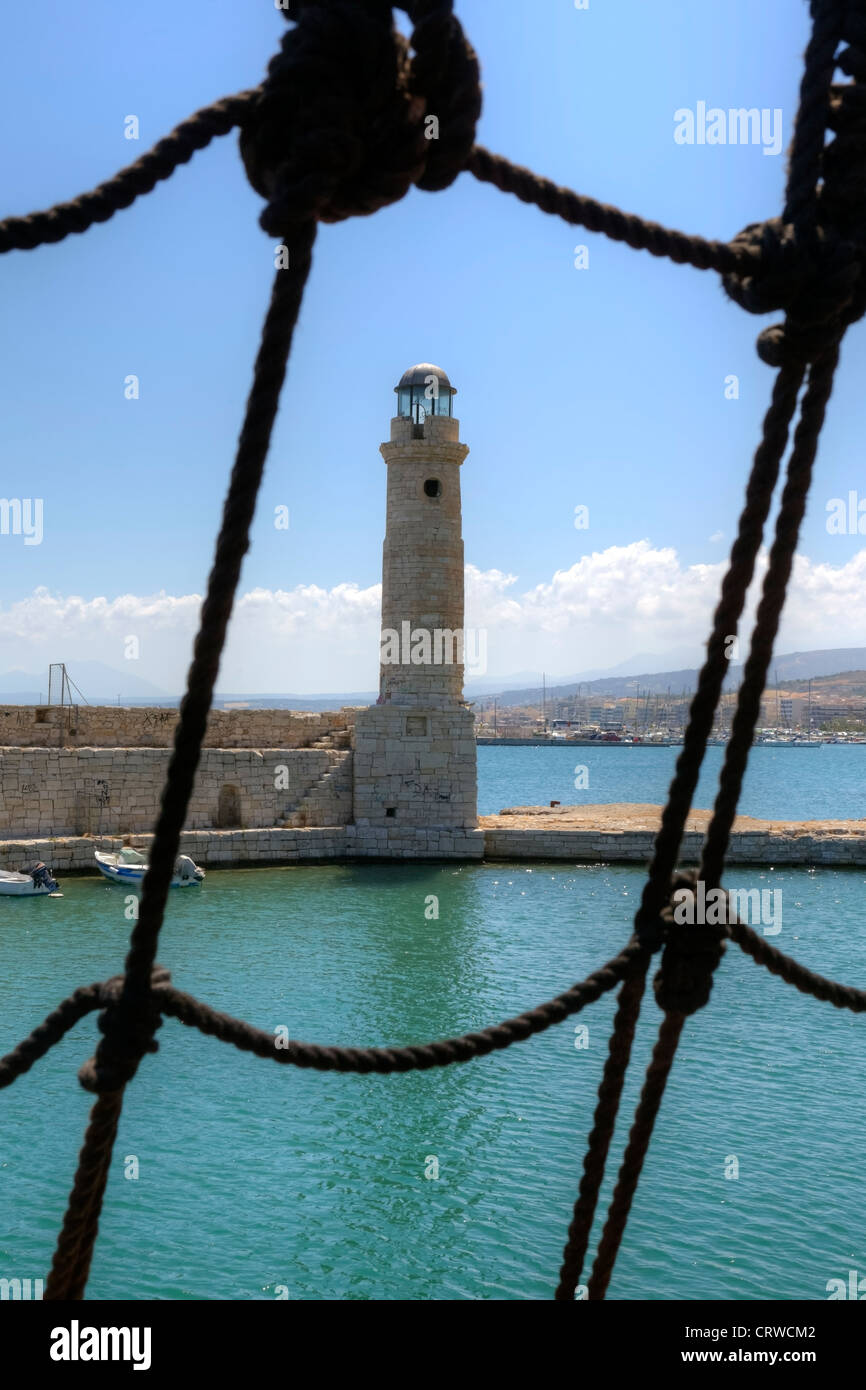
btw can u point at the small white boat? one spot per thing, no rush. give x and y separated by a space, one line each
32 883
126 870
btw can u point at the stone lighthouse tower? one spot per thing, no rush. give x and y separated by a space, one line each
414 762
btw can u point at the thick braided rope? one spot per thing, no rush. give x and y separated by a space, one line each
735 586
793 973
129 1024
232 545
692 962
769 613
73 1253
635 1153
174 1003
691 956
813 111
39 228
601 1134
417 1056
637 232
76 216
58 1023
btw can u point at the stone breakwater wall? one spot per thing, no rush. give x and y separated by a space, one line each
109 726
292 845
636 846
113 791
227 848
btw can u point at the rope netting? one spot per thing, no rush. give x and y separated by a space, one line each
336 130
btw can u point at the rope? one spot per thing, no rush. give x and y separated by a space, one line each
636 1149
807 269
598 1144
343 68
628 966
769 613
735 586
635 231
70 1266
64 219
416 1057
128 1025
43 1038
793 973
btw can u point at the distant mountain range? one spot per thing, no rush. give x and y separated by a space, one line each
101 684
98 683
794 666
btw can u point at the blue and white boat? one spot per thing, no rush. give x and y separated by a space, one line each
118 869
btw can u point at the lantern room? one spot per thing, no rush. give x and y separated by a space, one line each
424 390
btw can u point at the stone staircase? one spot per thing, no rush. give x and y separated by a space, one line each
336 738
329 800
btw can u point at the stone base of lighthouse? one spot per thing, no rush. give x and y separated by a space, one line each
415 783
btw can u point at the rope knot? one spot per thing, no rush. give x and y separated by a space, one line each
817 278
812 261
127 1033
348 119
692 950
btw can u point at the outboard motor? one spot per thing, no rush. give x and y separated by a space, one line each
42 877
186 870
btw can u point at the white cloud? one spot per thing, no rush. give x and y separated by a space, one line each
598 613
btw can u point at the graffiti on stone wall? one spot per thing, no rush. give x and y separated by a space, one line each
426 789
158 718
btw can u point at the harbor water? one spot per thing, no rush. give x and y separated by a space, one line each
258 1181
822 782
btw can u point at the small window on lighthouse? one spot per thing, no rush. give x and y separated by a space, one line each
433 488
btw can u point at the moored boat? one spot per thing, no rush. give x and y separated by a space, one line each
31 883
118 869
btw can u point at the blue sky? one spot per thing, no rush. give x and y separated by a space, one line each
602 387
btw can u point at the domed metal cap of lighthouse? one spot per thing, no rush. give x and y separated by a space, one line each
424 390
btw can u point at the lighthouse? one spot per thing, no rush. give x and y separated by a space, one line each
415 781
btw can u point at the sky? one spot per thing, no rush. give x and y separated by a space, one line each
601 387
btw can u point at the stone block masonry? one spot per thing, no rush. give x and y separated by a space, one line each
422 558
115 726
396 780
415 767
231 848
414 773
227 848
636 847
112 791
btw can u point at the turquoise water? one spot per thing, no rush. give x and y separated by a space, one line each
254 1176
825 782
